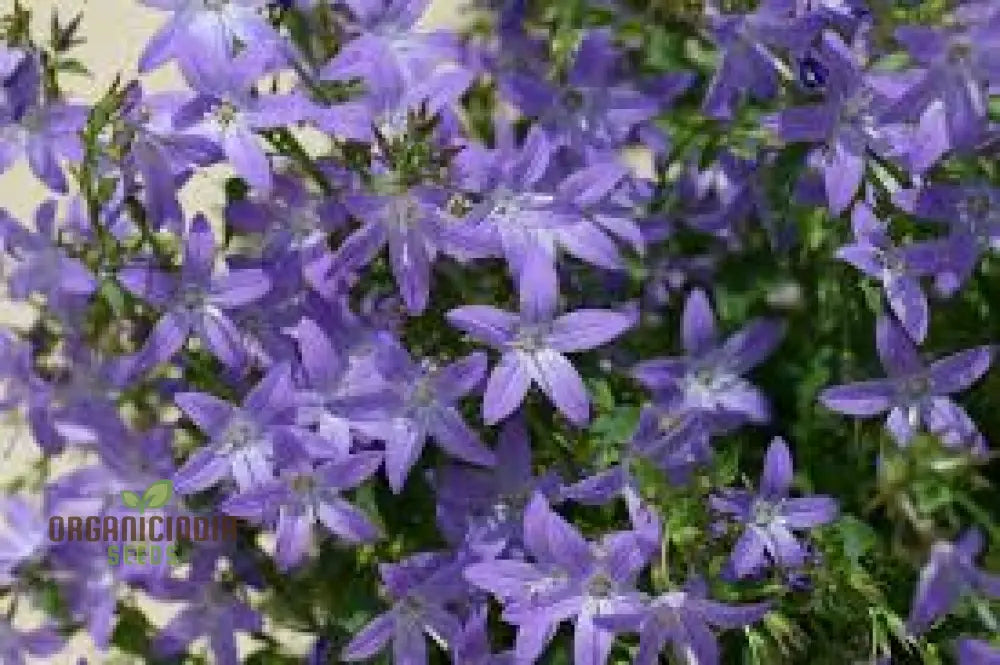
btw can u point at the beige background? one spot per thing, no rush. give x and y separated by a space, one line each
116 32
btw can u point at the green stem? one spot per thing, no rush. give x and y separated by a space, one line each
285 143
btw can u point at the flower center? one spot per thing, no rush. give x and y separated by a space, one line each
916 386
422 394
812 72
763 512
531 337
959 52
225 112
192 298
600 585
239 434
303 483
891 262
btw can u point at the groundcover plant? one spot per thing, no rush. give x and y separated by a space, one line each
596 332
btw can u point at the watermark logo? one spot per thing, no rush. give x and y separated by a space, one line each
156 495
143 539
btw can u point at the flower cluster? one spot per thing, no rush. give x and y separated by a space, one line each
487 245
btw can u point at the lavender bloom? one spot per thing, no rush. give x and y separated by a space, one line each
722 198
684 619
771 517
16 644
533 344
227 112
848 123
519 212
484 509
748 65
568 579
23 536
977 652
213 611
412 225
158 156
126 460
241 444
420 587
472 645
303 494
204 33
40 265
336 380
915 393
388 54
959 66
677 438
422 405
194 301
899 269
709 377
594 113
294 224
950 573
45 130
972 213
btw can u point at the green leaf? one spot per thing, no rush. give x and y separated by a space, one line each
158 494
131 499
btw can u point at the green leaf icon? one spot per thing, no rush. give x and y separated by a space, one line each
131 499
158 494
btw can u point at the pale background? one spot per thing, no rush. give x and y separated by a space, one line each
116 32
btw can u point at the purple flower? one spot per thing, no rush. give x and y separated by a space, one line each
301 496
204 33
483 509
294 224
241 439
420 587
40 265
568 578
45 130
677 438
212 610
16 645
684 619
709 379
747 63
23 535
421 404
770 517
194 301
472 645
950 573
227 112
848 123
595 112
899 269
958 66
972 213
126 460
518 211
412 225
158 156
977 652
533 343
915 393
387 53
